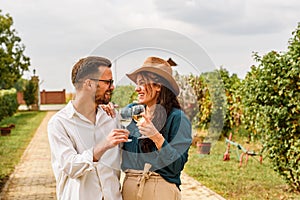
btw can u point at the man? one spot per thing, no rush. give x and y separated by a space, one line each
84 139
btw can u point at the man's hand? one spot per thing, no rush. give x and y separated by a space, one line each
114 138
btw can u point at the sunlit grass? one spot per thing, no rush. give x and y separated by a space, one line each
13 145
251 181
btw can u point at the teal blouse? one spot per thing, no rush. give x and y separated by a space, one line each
171 158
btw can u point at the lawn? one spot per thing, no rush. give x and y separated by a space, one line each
251 181
13 146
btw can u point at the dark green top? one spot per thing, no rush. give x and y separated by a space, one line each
171 158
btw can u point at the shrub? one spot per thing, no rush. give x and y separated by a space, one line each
272 107
8 103
218 100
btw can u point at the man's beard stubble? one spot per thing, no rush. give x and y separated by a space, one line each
105 99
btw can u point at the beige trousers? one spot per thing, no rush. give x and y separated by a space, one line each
147 185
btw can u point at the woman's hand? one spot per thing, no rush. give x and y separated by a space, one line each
109 109
146 127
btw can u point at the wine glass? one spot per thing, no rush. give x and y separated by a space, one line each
125 118
137 112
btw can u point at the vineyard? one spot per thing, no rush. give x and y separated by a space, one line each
264 105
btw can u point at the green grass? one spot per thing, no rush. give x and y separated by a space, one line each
251 181
13 146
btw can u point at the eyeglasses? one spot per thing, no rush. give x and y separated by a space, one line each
110 82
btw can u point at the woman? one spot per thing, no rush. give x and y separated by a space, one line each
153 165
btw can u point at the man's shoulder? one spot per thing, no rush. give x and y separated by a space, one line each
61 114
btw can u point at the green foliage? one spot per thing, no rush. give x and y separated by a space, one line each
186 97
271 94
8 103
123 95
12 59
200 88
218 100
20 85
234 106
30 93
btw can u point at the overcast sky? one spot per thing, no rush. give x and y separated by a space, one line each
57 33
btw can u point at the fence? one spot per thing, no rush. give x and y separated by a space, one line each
47 97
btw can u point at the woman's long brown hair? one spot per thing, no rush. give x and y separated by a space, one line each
167 99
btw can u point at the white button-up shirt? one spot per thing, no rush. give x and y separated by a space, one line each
72 138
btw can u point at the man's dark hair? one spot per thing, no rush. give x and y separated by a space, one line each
88 68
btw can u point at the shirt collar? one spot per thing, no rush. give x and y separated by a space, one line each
100 112
70 109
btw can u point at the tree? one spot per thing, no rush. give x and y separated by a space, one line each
29 93
272 108
13 62
123 95
20 85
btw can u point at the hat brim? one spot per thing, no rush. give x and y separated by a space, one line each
175 88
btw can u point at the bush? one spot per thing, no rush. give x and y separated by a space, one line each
187 97
272 108
8 103
218 100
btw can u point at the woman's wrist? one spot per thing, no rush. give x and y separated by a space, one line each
158 140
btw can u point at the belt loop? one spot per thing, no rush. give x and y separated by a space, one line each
142 180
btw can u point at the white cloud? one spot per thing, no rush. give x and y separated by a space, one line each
57 33
231 16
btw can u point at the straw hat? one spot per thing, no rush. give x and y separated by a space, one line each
160 67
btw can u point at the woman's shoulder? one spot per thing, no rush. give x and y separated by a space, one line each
177 113
178 120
